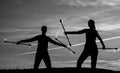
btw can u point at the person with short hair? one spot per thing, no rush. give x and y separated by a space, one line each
42 50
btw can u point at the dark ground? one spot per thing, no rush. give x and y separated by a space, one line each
60 70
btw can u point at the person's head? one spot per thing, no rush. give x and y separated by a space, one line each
44 29
91 24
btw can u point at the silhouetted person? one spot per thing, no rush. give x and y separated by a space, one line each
90 48
42 50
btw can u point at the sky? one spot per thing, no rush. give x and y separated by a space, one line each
21 19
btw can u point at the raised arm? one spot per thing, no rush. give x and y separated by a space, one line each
98 36
76 32
28 40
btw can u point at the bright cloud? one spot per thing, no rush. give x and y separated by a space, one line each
110 2
114 63
90 2
107 27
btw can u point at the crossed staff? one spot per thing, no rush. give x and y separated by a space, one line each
30 45
6 41
69 40
66 37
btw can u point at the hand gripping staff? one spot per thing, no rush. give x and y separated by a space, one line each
12 42
65 31
66 35
66 46
109 48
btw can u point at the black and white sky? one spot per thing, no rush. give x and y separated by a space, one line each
20 19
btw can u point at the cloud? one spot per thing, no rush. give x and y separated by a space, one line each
107 27
90 2
104 64
79 44
115 63
86 61
110 2
75 3
14 62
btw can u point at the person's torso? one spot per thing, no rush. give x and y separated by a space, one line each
91 39
43 42
90 36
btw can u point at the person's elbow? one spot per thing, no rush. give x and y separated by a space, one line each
19 42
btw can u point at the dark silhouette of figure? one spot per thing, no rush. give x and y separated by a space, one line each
90 48
42 50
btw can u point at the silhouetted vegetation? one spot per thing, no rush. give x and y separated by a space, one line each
60 70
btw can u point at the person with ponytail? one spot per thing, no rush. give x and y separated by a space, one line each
90 48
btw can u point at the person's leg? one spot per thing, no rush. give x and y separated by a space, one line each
81 59
38 59
47 60
94 59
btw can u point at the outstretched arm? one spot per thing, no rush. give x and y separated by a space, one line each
76 32
56 43
98 36
28 40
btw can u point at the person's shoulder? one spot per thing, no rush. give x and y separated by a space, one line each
48 38
96 31
37 36
85 29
